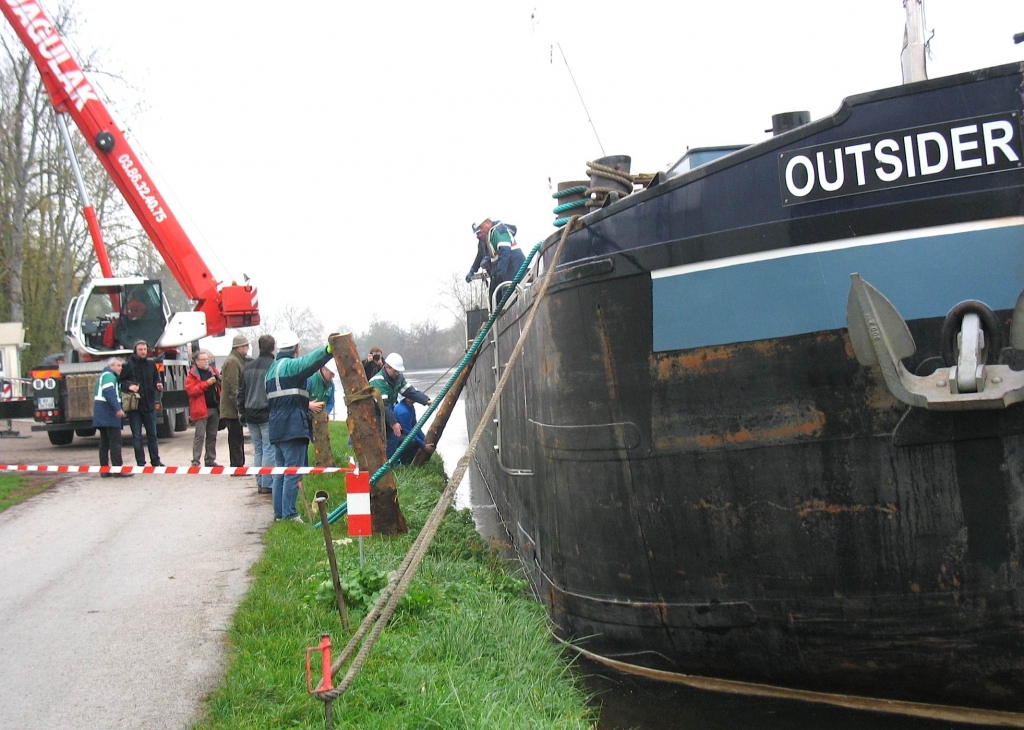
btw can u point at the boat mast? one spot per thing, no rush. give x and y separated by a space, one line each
913 58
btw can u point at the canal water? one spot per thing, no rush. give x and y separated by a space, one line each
629 702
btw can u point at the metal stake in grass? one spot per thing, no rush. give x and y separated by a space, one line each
321 502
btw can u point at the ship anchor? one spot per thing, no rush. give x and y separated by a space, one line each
880 336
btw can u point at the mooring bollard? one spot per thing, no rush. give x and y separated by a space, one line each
321 502
324 647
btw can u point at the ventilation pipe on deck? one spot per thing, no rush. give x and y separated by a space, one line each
788 120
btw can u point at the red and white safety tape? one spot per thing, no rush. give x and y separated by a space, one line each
201 470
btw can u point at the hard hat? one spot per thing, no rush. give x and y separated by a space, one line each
395 360
285 340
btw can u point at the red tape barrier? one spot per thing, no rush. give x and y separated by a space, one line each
201 470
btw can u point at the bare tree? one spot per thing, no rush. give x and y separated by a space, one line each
456 296
304 323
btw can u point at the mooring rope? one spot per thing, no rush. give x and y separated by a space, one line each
945 713
377 619
367 393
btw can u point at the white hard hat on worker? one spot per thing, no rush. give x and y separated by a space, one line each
395 362
285 340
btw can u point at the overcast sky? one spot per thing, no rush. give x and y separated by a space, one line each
337 153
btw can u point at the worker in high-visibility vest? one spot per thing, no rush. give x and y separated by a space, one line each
107 415
499 240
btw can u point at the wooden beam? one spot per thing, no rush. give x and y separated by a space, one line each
367 439
443 413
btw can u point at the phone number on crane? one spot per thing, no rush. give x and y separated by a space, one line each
128 165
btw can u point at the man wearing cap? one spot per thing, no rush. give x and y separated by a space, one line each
141 375
231 373
497 252
392 386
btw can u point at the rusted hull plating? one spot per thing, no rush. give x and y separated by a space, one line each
811 533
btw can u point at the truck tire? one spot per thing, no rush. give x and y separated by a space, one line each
164 425
181 421
85 432
61 438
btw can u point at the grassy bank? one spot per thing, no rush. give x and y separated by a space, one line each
15 488
467 647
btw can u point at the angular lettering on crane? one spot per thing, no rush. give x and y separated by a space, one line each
50 50
902 157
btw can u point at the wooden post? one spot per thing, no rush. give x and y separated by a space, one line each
367 440
322 454
443 413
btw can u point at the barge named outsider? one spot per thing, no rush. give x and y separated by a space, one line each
765 427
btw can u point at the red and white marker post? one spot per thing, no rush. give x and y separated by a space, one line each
360 524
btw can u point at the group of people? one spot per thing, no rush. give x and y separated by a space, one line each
271 394
385 375
278 395
139 375
282 396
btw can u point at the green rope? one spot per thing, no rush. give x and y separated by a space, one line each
569 206
520 275
569 191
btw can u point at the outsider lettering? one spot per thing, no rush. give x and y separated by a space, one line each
925 154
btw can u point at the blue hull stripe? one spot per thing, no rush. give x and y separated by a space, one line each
923 277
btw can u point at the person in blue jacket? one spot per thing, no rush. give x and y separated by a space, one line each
405 412
290 424
107 415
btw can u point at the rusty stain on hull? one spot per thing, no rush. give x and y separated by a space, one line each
804 509
789 423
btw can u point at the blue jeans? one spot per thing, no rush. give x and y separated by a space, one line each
137 420
285 489
262 451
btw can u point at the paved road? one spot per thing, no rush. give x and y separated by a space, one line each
115 593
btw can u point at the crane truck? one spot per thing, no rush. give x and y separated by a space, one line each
111 313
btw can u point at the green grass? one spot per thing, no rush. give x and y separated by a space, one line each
467 648
15 488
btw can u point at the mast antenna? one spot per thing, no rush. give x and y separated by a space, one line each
578 93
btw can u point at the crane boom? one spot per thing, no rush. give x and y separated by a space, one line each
71 93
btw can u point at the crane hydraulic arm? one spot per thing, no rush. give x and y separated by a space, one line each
72 94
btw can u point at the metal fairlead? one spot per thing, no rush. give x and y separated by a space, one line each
880 336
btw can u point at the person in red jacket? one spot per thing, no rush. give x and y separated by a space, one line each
203 387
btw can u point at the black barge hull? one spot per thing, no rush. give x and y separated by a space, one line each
698 472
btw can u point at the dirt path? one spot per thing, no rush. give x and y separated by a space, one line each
115 593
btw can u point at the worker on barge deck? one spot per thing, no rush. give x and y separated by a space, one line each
497 252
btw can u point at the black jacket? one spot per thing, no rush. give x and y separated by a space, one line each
252 391
142 372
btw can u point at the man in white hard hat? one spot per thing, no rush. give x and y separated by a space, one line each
392 386
290 424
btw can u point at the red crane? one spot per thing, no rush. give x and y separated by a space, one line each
72 95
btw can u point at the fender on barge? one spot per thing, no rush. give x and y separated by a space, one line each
765 427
